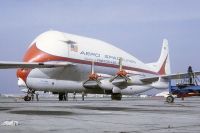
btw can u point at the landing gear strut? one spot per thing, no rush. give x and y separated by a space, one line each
116 96
74 96
83 96
63 97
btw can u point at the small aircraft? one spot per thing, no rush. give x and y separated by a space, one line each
63 63
186 87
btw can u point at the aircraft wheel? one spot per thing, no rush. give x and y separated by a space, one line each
61 96
170 99
116 96
27 98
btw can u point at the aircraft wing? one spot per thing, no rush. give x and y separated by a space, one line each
123 82
168 77
9 65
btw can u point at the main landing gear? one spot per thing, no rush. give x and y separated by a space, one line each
83 96
116 96
63 96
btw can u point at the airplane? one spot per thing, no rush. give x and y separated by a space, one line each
64 63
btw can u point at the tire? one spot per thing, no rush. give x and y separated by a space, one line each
170 99
116 96
60 96
27 98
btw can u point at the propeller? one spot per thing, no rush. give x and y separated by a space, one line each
121 72
92 78
93 75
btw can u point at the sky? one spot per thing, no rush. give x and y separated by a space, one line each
136 26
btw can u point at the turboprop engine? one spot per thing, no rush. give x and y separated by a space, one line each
122 79
106 84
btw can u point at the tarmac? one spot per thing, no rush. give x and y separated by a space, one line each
101 115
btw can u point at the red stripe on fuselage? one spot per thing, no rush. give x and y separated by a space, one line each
36 55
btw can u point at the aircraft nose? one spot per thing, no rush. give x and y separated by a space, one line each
23 73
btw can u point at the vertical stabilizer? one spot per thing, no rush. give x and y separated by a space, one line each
162 66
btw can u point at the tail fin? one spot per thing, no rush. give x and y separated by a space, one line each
162 66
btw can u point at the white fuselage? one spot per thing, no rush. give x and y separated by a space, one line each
79 52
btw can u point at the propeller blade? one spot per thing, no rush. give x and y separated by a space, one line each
92 68
120 64
121 73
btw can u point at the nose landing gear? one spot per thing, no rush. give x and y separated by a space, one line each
30 95
27 98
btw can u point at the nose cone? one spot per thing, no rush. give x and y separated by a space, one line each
32 55
22 84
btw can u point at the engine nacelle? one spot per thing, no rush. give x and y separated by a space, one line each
134 80
106 84
116 90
